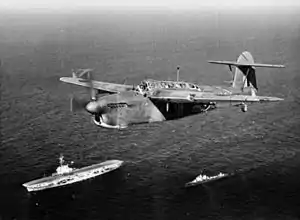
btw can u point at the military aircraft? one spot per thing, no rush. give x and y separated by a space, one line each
118 105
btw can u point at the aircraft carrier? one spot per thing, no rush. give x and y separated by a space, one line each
66 175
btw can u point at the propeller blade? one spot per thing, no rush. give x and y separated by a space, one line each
93 92
77 104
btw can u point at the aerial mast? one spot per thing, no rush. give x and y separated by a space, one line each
178 70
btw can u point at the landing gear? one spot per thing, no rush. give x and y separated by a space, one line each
244 107
210 106
203 108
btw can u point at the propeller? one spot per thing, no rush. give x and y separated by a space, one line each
91 86
78 104
92 107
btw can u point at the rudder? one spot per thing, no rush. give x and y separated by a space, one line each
244 75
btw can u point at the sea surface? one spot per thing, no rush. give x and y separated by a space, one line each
262 146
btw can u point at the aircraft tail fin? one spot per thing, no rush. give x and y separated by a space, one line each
244 75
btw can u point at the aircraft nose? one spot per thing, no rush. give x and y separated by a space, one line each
92 107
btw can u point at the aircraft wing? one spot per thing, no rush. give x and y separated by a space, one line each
204 97
102 86
245 64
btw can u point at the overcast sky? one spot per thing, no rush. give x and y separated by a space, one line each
61 4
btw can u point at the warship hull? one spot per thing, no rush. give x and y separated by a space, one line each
194 182
73 177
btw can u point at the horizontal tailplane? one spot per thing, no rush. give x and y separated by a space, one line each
244 75
231 63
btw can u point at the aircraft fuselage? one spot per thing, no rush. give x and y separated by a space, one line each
126 108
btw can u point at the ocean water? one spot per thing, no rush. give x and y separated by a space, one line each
262 145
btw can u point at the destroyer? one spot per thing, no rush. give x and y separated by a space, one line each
204 179
66 175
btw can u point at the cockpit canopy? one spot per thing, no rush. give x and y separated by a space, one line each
150 84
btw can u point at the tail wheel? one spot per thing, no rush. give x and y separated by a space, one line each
244 107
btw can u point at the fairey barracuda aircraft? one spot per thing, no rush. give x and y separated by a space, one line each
118 105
